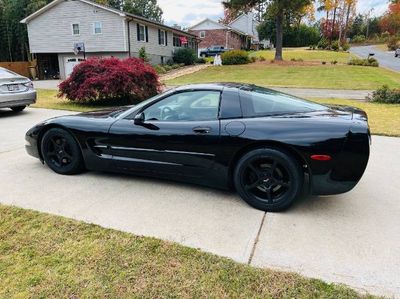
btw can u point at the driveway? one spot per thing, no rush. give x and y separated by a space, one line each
352 238
386 59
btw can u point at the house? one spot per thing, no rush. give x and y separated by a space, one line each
65 32
241 33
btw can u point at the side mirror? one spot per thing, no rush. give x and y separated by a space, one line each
139 118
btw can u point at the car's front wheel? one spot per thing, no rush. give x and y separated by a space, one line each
61 152
268 179
18 108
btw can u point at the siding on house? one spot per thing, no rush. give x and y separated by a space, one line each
51 32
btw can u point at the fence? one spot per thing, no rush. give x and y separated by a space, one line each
19 67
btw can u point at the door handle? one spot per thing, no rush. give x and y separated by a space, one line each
202 130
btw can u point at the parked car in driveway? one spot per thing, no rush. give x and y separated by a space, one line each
226 135
213 51
397 52
16 91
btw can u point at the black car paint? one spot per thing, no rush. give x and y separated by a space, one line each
174 150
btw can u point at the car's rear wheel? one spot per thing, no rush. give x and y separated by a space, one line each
61 152
268 179
18 108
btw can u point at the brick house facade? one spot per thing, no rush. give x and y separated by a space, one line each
221 37
211 33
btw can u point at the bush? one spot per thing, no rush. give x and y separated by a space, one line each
385 95
358 39
323 44
235 57
201 60
160 69
345 47
143 54
301 36
184 55
335 46
111 81
393 43
364 62
323 62
253 59
334 62
262 58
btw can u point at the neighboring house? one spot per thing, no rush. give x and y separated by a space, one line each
241 33
63 25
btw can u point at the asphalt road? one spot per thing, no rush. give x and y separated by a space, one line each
385 59
352 238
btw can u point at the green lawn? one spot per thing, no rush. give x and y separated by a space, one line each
44 256
384 119
307 55
48 99
319 76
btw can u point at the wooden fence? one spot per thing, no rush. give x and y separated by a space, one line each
19 67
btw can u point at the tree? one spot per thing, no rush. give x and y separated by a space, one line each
277 8
145 8
390 22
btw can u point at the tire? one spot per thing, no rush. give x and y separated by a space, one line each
268 179
18 108
61 152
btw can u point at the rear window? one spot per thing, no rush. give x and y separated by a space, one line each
261 102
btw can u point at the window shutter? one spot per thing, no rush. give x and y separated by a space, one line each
147 34
138 32
159 36
166 38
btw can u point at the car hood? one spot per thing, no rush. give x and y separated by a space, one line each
104 113
356 113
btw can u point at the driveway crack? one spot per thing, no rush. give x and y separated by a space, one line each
253 250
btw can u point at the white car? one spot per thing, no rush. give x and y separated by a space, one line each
397 53
16 91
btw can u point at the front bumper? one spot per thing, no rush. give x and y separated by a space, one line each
8 100
31 145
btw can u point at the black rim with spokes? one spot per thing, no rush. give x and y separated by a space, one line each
59 152
267 179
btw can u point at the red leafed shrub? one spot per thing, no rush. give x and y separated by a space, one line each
111 81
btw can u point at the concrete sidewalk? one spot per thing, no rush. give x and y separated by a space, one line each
352 238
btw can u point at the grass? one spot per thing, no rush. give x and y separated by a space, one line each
307 55
318 76
384 119
45 256
48 99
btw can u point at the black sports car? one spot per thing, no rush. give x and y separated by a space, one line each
227 135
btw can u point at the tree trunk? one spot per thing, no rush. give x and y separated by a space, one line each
279 36
346 27
333 23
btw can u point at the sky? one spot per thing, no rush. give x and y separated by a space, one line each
190 12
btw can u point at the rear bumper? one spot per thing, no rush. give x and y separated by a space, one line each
8 100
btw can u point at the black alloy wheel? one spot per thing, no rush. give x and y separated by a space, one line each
61 152
268 179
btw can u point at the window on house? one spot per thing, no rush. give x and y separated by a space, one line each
98 27
162 34
177 41
202 34
142 33
75 29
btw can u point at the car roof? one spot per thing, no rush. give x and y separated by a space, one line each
214 86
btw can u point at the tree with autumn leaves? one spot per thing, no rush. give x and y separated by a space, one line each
390 22
339 14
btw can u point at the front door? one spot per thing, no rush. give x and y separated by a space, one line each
178 135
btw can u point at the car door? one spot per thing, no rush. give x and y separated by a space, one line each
176 135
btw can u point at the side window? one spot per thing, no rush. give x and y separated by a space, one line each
75 29
262 102
185 106
98 28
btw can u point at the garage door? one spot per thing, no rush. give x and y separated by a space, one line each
70 63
